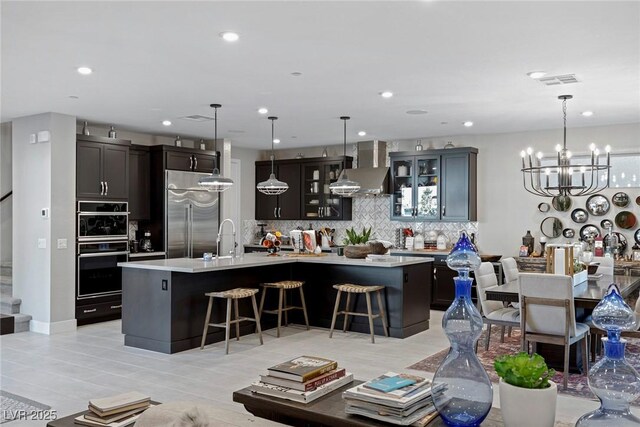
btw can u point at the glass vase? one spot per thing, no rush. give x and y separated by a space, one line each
613 380
468 395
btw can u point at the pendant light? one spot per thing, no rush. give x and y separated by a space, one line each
344 186
272 186
215 182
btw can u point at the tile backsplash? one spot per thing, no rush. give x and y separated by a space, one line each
367 212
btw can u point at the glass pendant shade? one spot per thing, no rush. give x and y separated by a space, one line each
215 182
468 395
344 186
273 186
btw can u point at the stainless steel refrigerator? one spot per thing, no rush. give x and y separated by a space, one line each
191 226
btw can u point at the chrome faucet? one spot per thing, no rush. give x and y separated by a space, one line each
219 238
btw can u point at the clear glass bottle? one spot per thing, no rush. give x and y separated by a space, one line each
112 132
613 380
467 399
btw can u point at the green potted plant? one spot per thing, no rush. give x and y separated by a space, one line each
356 244
527 394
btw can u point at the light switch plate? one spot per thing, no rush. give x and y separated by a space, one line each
32 138
62 243
44 136
42 243
44 212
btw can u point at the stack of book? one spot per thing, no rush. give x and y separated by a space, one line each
115 411
400 399
302 379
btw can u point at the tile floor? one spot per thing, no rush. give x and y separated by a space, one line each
64 371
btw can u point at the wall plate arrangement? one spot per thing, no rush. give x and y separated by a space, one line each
589 231
579 215
551 227
569 233
544 207
636 236
626 220
561 203
606 224
620 199
598 205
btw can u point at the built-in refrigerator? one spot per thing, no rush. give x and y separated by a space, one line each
192 216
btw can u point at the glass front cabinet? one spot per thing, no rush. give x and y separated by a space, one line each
435 185
318 202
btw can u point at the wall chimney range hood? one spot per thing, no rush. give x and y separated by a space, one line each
372 172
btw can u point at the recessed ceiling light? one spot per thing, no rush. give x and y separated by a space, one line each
587 113
386 94
296 74
444 123
166 123
85 71
229 36
362 133
73 96
468 124
417 111
276 141
263 110
536 74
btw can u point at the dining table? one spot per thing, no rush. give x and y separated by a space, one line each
586 296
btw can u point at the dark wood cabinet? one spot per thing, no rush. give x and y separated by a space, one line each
139 176
434 185
308 196
189 160
102 168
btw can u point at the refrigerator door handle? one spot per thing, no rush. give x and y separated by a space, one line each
190 230
186 231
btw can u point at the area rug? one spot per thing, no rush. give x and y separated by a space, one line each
17 407
577 383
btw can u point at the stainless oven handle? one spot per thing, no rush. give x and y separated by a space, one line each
103 213
103 254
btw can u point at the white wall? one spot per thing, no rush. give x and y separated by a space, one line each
5 186
44 177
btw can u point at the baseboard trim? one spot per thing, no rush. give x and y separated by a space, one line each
51 328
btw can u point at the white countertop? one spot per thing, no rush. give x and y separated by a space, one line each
189 265
145 254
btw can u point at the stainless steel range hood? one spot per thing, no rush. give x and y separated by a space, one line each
371 173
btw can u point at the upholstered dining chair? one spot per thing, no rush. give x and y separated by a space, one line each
510 269
493 312
547 315
606 265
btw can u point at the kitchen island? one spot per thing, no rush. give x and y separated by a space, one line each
164 306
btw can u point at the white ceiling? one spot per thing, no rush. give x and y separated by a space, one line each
458 60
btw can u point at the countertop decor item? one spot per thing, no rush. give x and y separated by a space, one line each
85 129
598 205
565 176
579 215
529 241
626 220
356 244
419 145
178 141
112 132
215 182
344 186
449 144
528 397
324 152
468 395
613 380
272 186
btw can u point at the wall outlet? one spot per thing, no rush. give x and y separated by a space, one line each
165 285
44 212
42 243
62 243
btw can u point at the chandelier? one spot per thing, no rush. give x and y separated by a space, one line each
215 182
344 186
562 176
272 186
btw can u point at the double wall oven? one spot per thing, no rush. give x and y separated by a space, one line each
102 242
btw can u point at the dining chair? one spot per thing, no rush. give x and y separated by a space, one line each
547 315
510 269
606 265
493 312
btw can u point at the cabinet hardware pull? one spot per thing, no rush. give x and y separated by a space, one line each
191 163
90 311
275 212
195 166
116 306
106 188
279 212
101 188
444 209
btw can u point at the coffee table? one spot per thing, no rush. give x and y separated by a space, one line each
327 411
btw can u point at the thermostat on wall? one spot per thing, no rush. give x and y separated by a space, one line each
44 136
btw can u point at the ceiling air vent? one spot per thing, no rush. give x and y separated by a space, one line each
196 118
564 79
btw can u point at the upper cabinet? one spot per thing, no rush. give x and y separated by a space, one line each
434 185
308 196
189 159
102 168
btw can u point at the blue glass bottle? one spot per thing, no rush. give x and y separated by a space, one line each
614 381
467 398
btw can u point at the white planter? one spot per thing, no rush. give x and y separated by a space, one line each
528 407
581 277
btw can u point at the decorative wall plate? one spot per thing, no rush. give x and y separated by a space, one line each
636 236
620 199
544 207
569 233
626 220
589 231
606 224
579 215
551 227
638 200
561 203
598 205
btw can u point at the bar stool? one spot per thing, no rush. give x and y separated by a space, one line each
282 286
359 289
232 295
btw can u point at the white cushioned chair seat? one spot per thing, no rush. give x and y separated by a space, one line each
506 314
581 328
